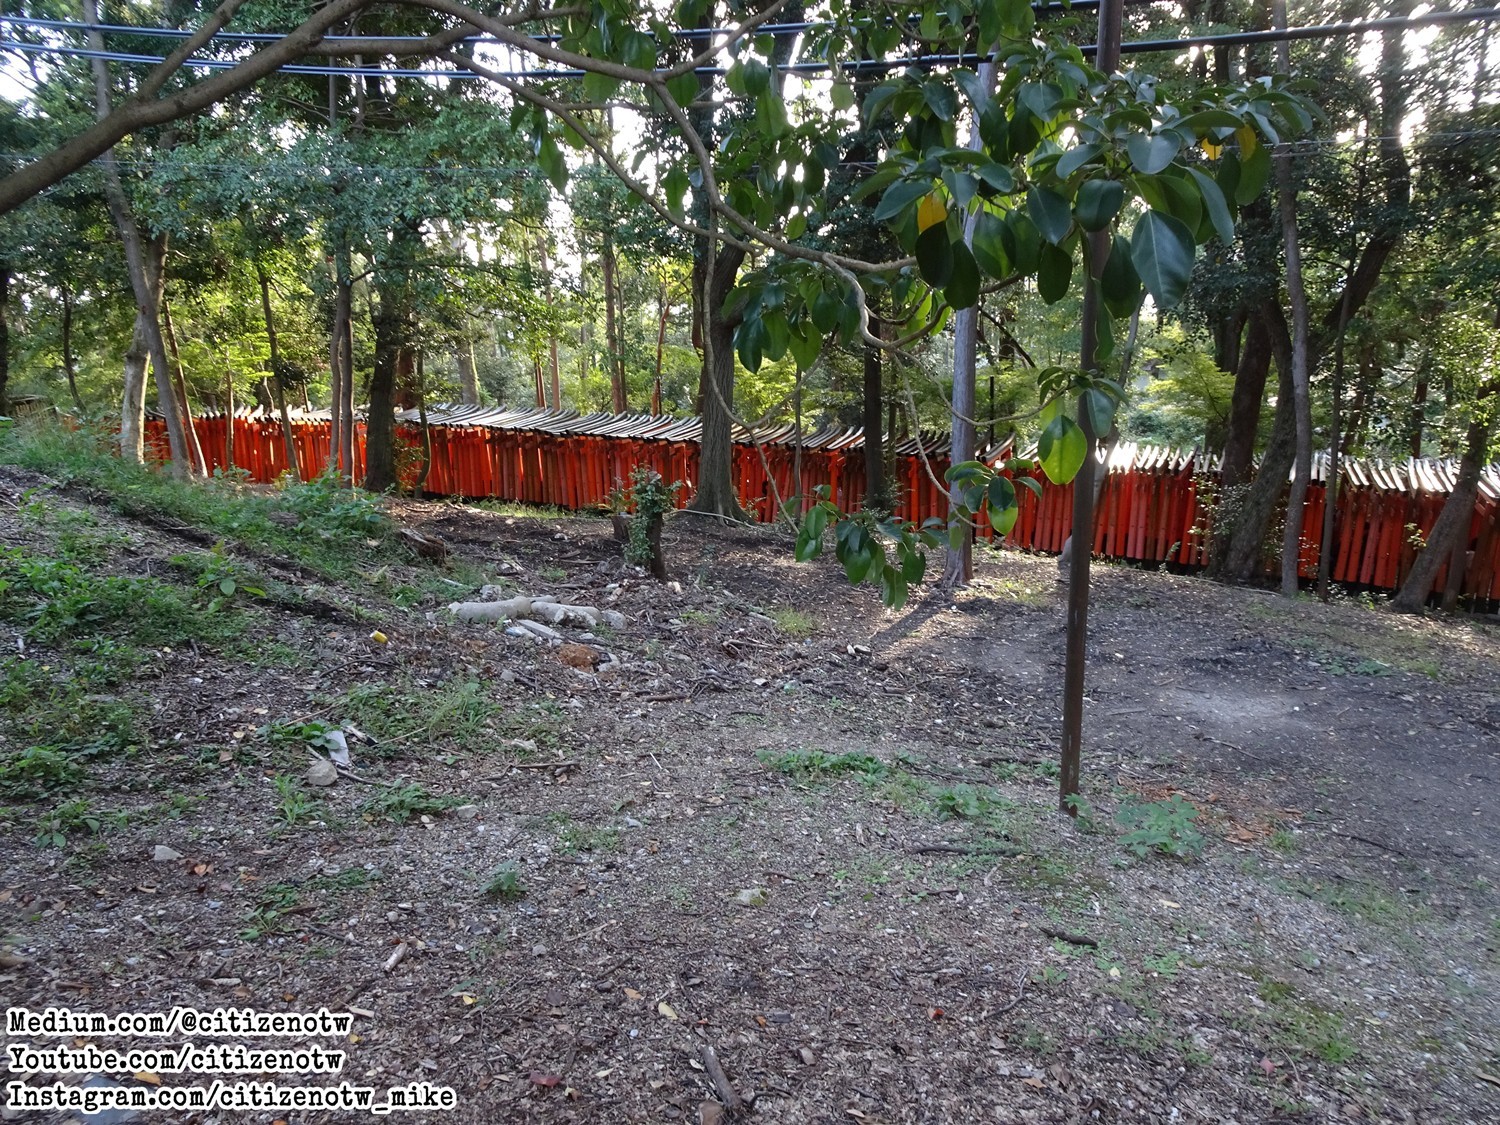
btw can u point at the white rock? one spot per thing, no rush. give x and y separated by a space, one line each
322 773
163 854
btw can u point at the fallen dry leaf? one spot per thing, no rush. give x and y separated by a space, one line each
1034 1082
634 995
542 1078
666 1009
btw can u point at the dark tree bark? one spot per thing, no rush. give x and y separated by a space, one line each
715 494
614 346
1245 402
1450 532
289 444
4 337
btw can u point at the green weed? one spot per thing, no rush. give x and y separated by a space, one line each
401 803
1165 827
505 884
816 763
794 623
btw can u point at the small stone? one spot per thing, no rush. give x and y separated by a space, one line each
322 773
163 854
806 1055
466 812
507 677
751 896
539 951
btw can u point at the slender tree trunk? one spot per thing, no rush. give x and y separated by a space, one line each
716 494
959 565
468 374
1418 416
180 378
229 408
69 361
1286 195
4 337
661 343
426 466
133 395
1450 531
147 289
380 427
1242 554
288 441
350 420
615 352
871 403
1245 401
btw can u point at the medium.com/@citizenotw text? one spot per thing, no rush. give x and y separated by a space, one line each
212 1060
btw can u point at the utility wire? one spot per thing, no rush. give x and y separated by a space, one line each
1140 46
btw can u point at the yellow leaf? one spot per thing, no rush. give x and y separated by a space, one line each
666 1009
930 212
378 637
633 994
466 998
147 1076
1249 142
1169 904
1114 972
1210 149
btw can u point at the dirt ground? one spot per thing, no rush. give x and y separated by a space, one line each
798 835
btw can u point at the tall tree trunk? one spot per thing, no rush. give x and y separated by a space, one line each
715 494
1286 197
1245 401
541 249
1241 555
229 409
133 395
872 401
349 419
661 343
1417 418
1452 525
288 442
4 337
146 288
614 349
958 567
468 374
380 426
180 379
69 360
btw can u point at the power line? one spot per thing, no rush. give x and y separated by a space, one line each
1143 46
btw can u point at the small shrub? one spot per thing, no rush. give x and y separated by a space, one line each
794 623
71 816
811 763
505 884
293 804
403 802
1165 827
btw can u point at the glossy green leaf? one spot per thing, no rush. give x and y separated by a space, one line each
1100 408
1255 169
1119 284
806 346
1003 519
900 196
842 95
1151 155
893 589
1075 158
1099 201
1215 205
684 88
1061 449
1050 212
1000 494
935 255
1161 250
1054 273
1032 484
962 290
989 246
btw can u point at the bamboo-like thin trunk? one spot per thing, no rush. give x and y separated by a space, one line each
68 359
180 377
289 443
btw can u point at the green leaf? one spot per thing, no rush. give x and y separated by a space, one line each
973 89
1152 154
962 290
1003 519
756 77
806 346
1099 201
226 587
808 546
940 99
1054 273
826 308
1050 212
1119 284
892 588
913 564
842 94
684 88
601 87
1000 494
900 196
1255 170
675 184
935 255
996 176
1031 483
989 246
1061 449
1075 158
1217 208
1100 408
1023 246
1161 249
796 226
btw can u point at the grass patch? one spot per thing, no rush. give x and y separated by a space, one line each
807 764
505 884
794 623
401 803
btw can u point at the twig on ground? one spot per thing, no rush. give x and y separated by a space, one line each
1072 939
957 849
1373 843
1021 983
726 1092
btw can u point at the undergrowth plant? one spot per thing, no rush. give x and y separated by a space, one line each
1164 827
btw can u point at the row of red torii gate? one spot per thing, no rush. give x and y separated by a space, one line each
1156 505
